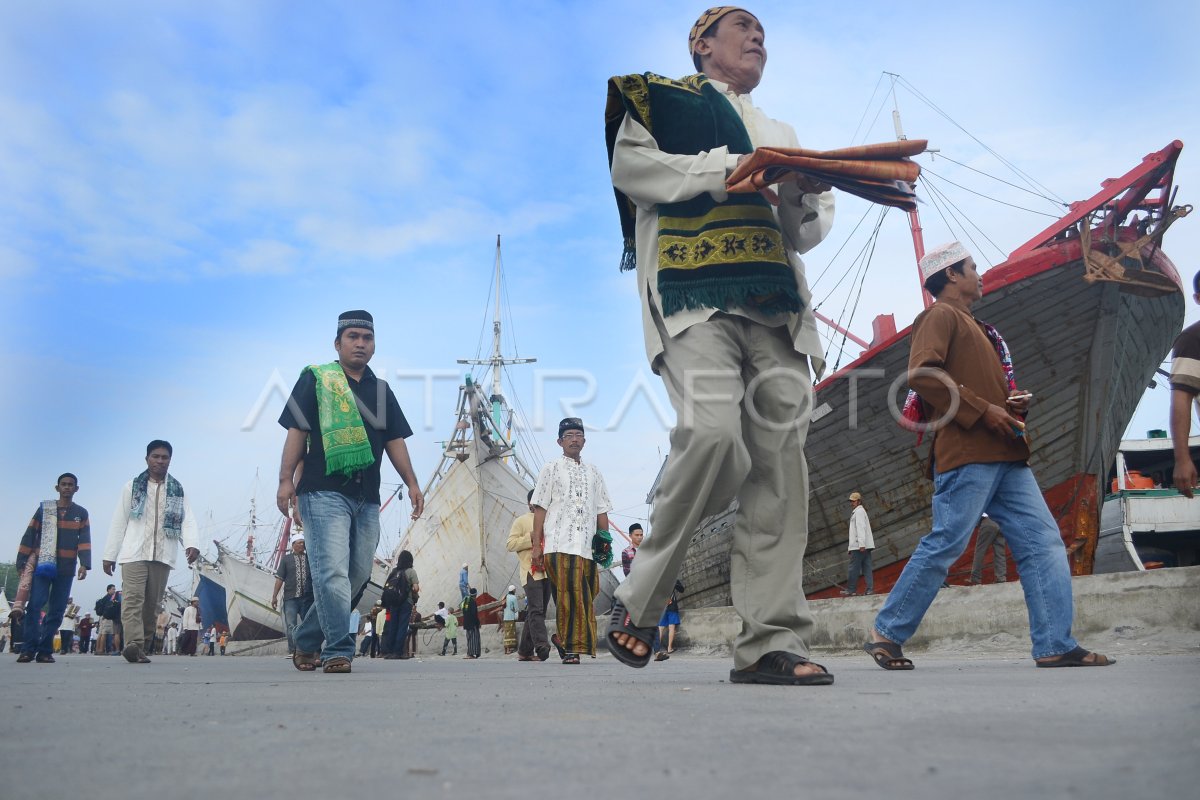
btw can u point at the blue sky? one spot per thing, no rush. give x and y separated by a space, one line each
193 192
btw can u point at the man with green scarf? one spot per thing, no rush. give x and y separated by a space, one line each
728 325
340 419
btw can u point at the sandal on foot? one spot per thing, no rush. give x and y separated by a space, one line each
339 665
525 658
778 667
557 642
306 662
619 622
570 658
1076 658
661 656
887 655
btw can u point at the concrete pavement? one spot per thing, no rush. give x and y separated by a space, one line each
993 726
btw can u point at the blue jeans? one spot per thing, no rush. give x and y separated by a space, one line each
860 564
1009 493
39 633
395 630
294 609
340 534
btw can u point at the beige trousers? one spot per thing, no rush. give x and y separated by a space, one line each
142 587
743 400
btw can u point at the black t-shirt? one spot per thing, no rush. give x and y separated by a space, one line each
381 416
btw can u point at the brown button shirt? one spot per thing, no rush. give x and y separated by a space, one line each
950 348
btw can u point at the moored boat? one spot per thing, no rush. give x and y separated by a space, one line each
478 488
1145 523
1089 307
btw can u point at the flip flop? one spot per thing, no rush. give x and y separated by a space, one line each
620 622
778 668
888 655
1075 658
571 658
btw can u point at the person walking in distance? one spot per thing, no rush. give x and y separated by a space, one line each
862 542
152 520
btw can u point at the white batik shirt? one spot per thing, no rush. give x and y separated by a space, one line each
573 494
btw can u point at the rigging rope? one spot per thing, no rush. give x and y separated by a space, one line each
1048 194
813 286
864 263
856 260
874 92
926 171
967 220
934 192
999 180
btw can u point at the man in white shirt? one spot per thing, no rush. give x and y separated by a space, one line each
728 325
149 523
151 520
862 542
191 628
570 506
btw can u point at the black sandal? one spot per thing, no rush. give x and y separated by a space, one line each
1075 658
778 667
888 655
570 658
557 642
619 622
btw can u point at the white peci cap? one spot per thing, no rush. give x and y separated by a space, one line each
937 260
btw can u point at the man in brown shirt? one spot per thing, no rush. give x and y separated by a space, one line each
960 369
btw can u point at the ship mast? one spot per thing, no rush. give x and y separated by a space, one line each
496 362
914 218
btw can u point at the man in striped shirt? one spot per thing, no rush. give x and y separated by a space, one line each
59 532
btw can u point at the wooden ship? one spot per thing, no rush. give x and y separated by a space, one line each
1089 307
479 487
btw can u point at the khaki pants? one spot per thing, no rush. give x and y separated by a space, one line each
142 587
743 399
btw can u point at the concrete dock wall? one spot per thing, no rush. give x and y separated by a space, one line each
1160 607
1157 610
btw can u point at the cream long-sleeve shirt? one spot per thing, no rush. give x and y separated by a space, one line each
191 619
648 176
860 530
143 538
520 541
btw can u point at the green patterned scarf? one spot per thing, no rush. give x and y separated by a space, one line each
173 507
343 435
710 254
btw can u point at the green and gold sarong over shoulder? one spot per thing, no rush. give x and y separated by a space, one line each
343 435
710 254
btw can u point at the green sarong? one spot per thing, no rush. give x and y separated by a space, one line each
343 435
